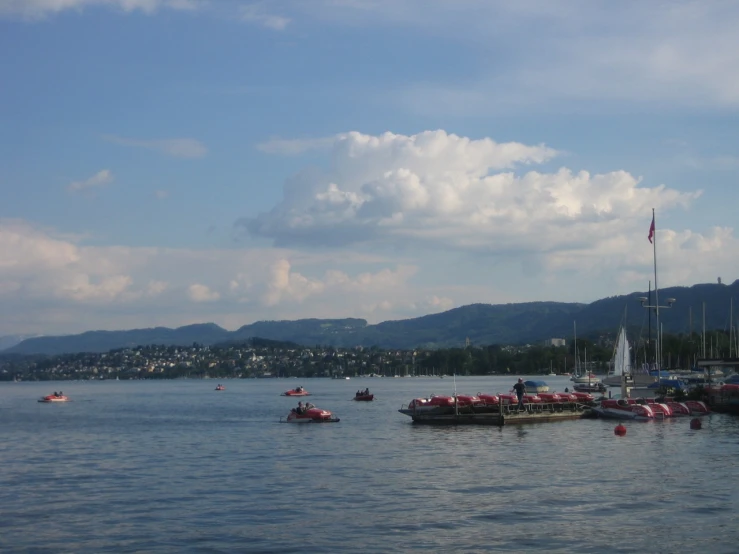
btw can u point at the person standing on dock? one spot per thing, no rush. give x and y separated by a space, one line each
520 389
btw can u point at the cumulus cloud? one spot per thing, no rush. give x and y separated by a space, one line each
176 147
100 179
33 9
449 192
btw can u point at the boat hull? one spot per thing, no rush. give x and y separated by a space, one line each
309 420
365 398
53 399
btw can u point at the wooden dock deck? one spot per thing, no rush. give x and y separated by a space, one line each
541 413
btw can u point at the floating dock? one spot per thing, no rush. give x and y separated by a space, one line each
539 413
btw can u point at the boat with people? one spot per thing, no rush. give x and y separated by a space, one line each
220 387
364 396
297 391
308 413
55 397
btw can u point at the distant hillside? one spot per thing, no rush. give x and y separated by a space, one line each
11 340
103 341
481 323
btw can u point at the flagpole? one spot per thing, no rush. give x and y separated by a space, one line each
656 303
648 305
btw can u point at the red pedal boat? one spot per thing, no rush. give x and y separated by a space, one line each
310 414
56 397
297 391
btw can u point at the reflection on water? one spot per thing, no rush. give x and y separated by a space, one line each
175 466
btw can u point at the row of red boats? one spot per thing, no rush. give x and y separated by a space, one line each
649 408
481 400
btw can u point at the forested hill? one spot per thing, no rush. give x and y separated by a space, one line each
482 324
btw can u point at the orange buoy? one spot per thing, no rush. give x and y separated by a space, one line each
620 430
695 423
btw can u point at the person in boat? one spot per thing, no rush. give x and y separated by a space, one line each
300 408
56 394
520 389
567 389
366 392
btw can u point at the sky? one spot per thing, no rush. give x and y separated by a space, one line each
169 162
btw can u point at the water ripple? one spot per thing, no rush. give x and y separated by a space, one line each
174 466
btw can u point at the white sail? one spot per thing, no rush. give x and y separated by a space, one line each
622 355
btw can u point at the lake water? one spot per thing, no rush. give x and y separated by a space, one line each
174 466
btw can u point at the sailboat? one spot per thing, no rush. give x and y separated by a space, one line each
621 362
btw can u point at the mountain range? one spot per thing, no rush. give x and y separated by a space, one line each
482 324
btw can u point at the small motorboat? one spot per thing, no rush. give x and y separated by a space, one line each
220 387
297 391
310 414
364 397
56 397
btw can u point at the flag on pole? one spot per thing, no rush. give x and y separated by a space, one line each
651 230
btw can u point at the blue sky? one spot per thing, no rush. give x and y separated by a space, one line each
166 162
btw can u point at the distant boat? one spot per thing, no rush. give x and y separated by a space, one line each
56 397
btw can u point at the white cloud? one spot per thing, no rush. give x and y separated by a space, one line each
34 9
52 283
448 192
538 55
155 288
255 13
100 179
202 293
176 147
